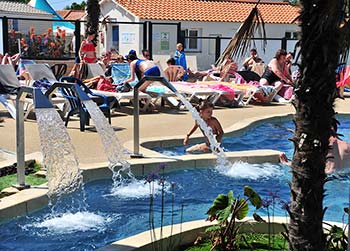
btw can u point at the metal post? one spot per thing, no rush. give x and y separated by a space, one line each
21 168
164 82
136 153
179 37
284 43
77 37
5 34
150 37
145 35
217 48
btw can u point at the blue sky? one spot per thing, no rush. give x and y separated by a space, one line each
60 4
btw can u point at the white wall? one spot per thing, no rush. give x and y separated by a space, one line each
206 56
130 35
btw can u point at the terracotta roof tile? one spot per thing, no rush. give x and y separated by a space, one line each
209 10
71 14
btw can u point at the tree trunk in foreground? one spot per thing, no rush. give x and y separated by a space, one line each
93 15
314 118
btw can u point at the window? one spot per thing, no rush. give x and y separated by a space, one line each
192 44
115 37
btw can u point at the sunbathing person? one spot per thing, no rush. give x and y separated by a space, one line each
251 60
219 73
205 110
276 73
338 156
11 60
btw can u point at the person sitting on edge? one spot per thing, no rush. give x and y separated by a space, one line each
87 52
338 156
141 68
205 109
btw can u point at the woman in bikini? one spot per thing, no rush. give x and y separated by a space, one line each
87 52
205 110
141 68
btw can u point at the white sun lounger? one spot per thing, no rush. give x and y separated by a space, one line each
8 76
96 70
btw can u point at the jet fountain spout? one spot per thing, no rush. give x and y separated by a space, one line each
163 81
40 101
214 145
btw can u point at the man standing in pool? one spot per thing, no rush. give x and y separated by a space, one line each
338 155
205 109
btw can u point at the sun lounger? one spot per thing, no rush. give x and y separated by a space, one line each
40 71
129 96
195 92
94 70
9 79
224 89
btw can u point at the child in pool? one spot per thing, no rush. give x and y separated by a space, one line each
205 110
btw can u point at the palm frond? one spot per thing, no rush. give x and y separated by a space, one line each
241 41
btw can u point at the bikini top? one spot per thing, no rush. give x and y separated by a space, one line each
88 47
137 68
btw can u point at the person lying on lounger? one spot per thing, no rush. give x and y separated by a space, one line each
338 155
205 110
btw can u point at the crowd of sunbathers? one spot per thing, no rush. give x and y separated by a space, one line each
274 80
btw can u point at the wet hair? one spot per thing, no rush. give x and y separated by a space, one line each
171 61
253 50
280 53
204 104
131 57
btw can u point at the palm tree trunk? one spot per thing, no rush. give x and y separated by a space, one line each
314 119
93 15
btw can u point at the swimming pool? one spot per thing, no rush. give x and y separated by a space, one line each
110 217
265 135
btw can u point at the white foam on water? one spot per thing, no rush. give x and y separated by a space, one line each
243 170
137 189
72 222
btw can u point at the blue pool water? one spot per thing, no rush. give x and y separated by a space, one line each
268 135
109 217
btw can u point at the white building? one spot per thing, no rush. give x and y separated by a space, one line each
199 18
